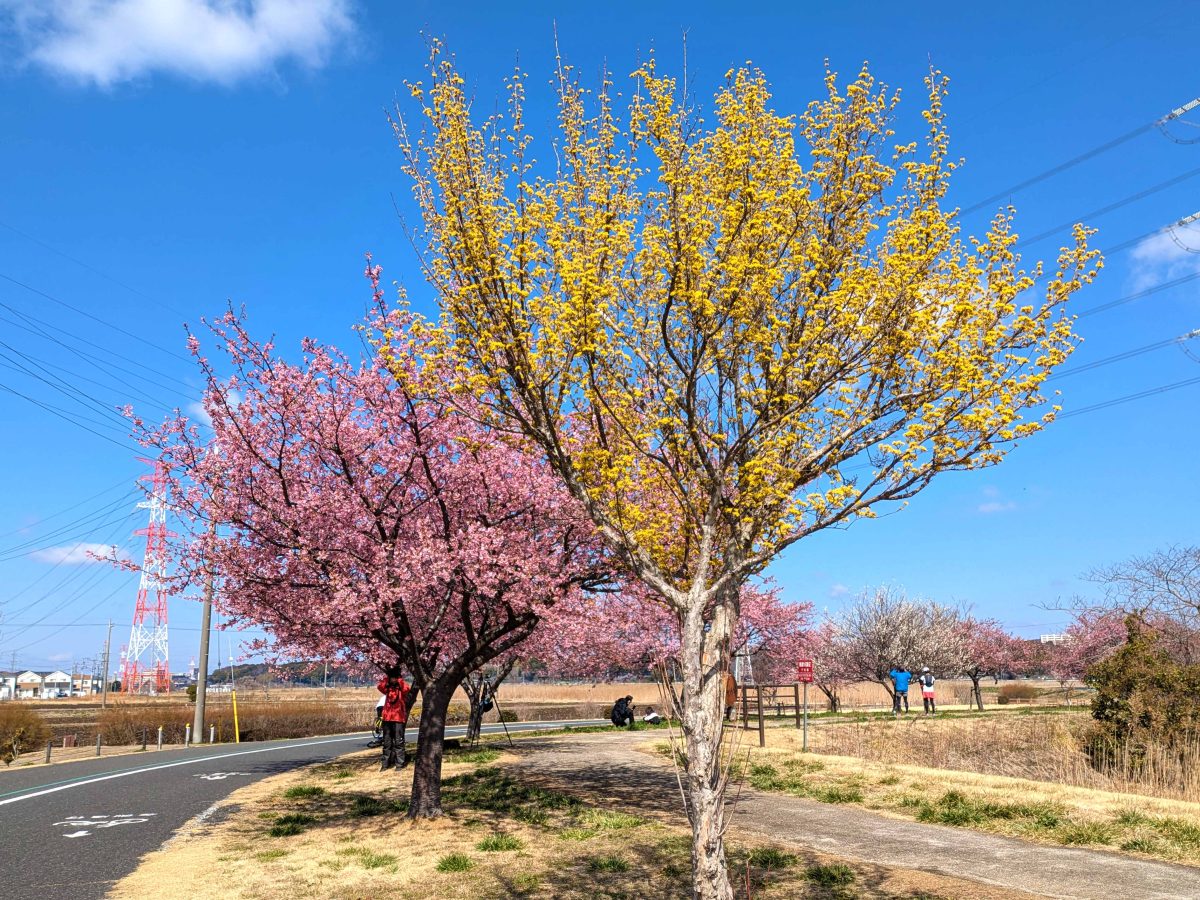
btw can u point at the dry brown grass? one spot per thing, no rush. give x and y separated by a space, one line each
949 772
567 848
1041 747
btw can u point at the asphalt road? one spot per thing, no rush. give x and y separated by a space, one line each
69 831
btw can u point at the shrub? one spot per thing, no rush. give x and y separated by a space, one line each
21 730
191 693
508 715
1144 698
1010 692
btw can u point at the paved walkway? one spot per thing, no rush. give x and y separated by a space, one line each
609 764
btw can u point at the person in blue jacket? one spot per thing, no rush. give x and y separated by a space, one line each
901 678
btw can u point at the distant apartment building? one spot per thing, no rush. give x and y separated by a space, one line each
31 685
1055 639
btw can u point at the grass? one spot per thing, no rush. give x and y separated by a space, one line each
771 858
600 864
833 875
290 824
479 755
455 862
269 855
607 820
500 842
303 791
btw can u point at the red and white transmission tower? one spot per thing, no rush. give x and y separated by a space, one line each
144 662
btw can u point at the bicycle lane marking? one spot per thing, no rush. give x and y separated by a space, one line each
84 780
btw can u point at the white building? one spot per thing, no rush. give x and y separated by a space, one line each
1054 639
32 684
8 685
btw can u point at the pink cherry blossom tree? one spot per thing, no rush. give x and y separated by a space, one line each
1094 635
989 650
360 516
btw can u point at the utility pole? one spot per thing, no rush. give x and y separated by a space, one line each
107 648
202 672
325 683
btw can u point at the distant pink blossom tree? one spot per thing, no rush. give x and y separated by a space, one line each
1089 639
361 516
989 650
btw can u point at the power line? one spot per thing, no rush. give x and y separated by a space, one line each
1116 401
1076 160
1104 210
90 268
90 343
1138 295
71 508
66 416
97 319
101 512
1128 354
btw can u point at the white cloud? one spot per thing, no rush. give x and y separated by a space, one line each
1170 253
839 590
75 554
107 42
996 506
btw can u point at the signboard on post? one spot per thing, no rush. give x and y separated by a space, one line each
804 675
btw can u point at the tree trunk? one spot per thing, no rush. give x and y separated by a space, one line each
426 800
978 695
703 663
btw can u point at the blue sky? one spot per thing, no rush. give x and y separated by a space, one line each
160 158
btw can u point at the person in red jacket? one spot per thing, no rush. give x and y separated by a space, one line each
396 698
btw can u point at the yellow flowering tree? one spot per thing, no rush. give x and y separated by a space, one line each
727 334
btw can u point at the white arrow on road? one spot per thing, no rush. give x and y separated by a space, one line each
77 834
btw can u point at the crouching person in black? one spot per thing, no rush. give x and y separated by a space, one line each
622 712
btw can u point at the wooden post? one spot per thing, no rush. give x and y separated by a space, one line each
745 706
49 744
796 693
762 725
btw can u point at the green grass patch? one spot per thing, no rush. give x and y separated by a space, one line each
771 858
491 789
606 820
833 875
526 882
1142 845
455 862
342 773
292 823
600 864
480 755
1178 831
837 794
372 860
499 842
1085 833
303 792
1131 818
953 808
269 855
888 780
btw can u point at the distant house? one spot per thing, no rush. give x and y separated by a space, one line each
29 685
83 685
8 685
